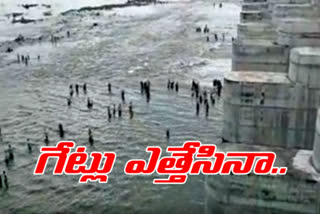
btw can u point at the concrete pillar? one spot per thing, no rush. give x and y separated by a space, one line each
298 32
284 11
316 147
316 2
305 66
304 72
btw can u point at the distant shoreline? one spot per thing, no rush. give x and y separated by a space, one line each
129 3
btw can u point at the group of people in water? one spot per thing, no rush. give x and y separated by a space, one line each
206 30
200 96
8 158
25 59
145 89
173 85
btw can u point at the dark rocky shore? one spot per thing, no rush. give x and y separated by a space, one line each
9 46
129 3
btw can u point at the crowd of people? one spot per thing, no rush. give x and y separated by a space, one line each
200 96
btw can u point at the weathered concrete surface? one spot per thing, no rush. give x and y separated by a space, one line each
316 149
259 55
316 3
305 67
256 31
273 3
261 108
255 6
297 32
295 193
251 16
266 34
283 11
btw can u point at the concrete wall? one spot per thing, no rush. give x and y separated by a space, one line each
265 34
299 32
255 6
316 149
298 192
283 11
316 2
251 16
259 55
266 109
305 67
261 195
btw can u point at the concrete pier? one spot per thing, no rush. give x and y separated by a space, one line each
259 30
296 193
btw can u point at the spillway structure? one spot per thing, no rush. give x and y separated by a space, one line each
271 101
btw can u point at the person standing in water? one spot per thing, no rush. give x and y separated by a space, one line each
207 109
198 108
168 134
123 96
131 111
85 88
109 114
172 85
109 88
77 89
91 141
213 101
147 89
141 87
10 151
89 103
61 131
71 92
46 138
5 180
69 102
119 110
114 111
29 145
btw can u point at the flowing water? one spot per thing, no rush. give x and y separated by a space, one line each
156 42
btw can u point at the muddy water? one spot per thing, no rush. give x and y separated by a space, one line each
129 45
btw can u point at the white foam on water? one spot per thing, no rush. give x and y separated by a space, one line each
302 161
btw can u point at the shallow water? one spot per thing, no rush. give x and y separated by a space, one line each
129 45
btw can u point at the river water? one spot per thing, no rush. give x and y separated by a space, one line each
128 45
